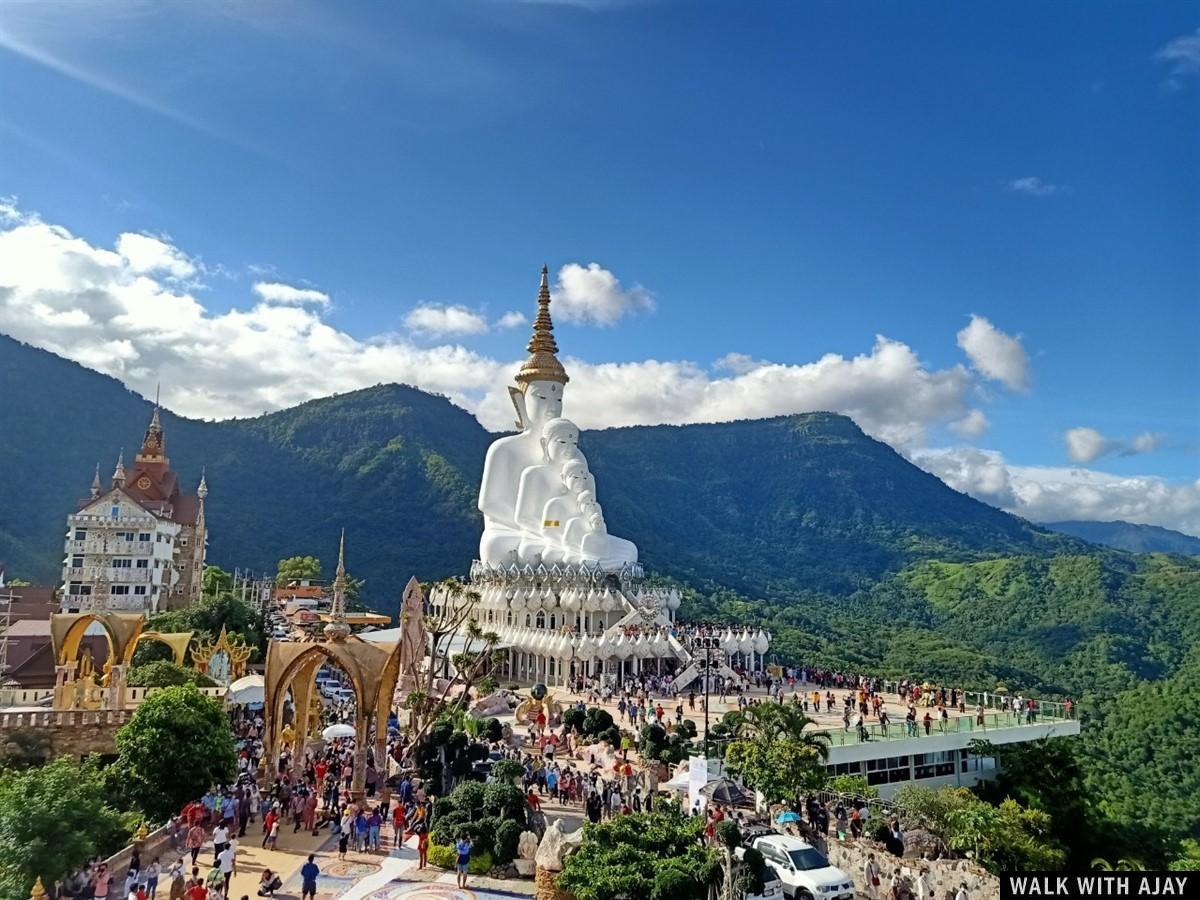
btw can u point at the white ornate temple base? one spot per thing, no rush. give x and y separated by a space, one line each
577 621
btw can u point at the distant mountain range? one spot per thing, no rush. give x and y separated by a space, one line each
849 554
783 504
1131 537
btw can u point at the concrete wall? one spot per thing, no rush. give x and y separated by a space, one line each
945 875
71 732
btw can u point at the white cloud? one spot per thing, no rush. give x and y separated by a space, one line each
1054 494
511 319
1087 444
973 425
287 295
594 295
146 253
1146 442
738 363
1033 186
1182 54
887 391
438 320
88 303
994 354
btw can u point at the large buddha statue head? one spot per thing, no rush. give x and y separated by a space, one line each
541 380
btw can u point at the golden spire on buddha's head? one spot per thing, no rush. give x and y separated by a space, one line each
542 364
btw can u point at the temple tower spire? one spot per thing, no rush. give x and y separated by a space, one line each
118 476
337 629
542 364
96 488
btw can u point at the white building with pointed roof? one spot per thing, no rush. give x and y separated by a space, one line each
138 545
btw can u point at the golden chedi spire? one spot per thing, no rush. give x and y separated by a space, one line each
542 364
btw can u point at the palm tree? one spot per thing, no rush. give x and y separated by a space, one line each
772 721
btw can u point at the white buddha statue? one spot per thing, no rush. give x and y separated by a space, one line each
526 474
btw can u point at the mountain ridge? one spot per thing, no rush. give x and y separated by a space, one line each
757 505
1130 536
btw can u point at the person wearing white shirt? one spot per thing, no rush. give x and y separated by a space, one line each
226 861
924 890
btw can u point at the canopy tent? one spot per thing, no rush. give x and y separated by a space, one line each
341 730
247 691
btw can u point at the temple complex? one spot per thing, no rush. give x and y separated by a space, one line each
139 545
568 598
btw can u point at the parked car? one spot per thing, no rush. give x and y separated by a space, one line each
802 869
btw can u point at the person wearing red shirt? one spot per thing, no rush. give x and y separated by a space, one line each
197 891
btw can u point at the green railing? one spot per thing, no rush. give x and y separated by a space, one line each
961 724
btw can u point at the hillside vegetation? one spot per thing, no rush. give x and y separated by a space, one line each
852 556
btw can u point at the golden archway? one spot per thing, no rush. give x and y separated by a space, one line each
178 641
121 629
373 668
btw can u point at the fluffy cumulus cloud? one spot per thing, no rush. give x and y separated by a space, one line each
994 354
1052 494
101 308
887 391
145 253
289 295
440 320
592 294
130 312
1085 445
511 319
973 425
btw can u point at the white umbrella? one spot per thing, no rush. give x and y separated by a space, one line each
247 690
338 731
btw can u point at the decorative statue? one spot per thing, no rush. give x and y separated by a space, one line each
537 495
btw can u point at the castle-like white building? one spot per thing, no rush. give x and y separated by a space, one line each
138 546
567 597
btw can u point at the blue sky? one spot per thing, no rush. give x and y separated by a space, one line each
779 180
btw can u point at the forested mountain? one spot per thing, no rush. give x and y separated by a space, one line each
852 556
1131 537
796 503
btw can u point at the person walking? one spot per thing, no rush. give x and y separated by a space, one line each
153 871
422 847
227 857
871 877
194 841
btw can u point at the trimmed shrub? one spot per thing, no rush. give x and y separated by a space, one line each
507 770
445 856
468 798
506 800
508 836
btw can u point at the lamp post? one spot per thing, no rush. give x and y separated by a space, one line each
707 644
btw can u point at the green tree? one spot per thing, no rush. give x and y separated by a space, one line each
645 856
215 581
175 747
164 673
52 820
774 752
298 568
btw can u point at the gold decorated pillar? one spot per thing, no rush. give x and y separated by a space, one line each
303 688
